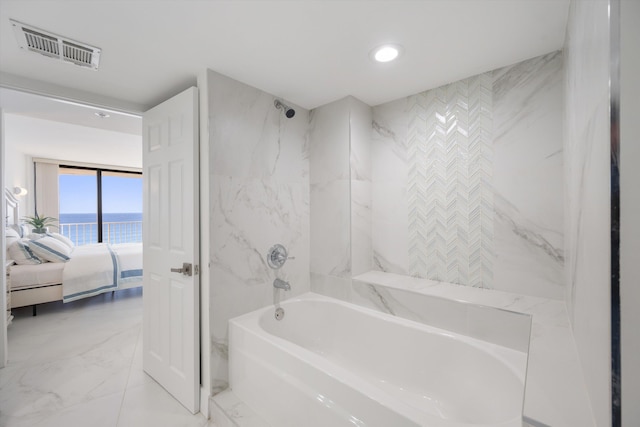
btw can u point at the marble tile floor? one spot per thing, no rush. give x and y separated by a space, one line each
80 364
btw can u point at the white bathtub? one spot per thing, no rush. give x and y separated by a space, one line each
328 363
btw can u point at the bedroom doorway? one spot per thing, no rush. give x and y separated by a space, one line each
49 142
54 126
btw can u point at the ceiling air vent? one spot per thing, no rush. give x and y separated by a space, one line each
54 46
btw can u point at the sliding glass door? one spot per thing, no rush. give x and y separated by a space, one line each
99 205
78 195
121 207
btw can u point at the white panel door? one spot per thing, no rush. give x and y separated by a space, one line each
171 316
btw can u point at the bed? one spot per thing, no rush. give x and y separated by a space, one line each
50 268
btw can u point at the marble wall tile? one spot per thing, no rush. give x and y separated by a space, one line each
330 228
527 173
360 120
329 148
517 111
361 227
389 200
389 141
331 286
248 218
249 137
259 196
340 161
330 190
390 227
526 262
587 209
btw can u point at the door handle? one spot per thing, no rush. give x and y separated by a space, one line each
186 269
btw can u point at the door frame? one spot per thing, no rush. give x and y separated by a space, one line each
205 277
4 348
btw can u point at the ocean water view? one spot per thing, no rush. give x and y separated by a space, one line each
82 228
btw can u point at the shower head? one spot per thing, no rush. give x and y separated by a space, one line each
288 111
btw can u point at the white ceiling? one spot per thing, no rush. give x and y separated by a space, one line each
307 52
46 108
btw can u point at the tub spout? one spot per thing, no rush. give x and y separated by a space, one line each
281 284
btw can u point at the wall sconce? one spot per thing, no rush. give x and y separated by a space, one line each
19 191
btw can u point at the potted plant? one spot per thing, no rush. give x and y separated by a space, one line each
40 224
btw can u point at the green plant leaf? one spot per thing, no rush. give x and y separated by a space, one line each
39 222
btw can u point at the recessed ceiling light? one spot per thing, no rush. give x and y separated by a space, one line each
386 52
102 114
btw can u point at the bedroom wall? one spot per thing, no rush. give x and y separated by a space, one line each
259 196
28 137
16 170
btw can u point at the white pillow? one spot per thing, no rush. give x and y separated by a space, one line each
22 254
25 229
12 236
22 229
50 249
64 239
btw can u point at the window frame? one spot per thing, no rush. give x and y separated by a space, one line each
98 170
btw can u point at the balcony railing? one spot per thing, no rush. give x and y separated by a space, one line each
83 233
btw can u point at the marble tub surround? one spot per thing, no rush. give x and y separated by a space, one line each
259 196
340 177
487 323
465 181
587 188
528 176
555 392
389 192
330 181
360 119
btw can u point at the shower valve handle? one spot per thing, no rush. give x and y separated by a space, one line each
277 256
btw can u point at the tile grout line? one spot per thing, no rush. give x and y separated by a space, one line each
30 361
126 386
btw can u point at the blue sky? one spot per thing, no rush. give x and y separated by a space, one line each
119 195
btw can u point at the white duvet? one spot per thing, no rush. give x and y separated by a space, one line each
98 268
129 261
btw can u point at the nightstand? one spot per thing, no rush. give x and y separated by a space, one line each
7 265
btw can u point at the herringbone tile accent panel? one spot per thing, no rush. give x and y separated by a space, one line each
450 193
